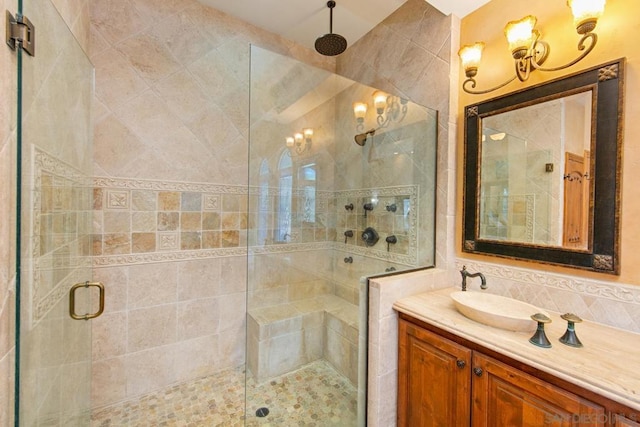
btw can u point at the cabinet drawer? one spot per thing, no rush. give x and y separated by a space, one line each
505 396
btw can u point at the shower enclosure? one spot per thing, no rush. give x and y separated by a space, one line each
55 160
325 213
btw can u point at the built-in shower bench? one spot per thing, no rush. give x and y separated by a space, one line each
287 336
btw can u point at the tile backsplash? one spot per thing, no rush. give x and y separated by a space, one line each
613 304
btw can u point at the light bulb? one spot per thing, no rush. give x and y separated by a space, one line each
380 101
520 35
308 133
360 111
470 56
586 14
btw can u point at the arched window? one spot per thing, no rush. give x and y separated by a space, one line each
307 181
263 203
285 188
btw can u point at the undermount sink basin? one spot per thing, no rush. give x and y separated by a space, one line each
497 311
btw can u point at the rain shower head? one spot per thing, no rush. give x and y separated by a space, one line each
361 138
331 44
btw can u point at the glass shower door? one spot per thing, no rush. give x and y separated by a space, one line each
320 181
55 91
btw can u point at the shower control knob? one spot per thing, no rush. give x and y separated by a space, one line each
391 240
370 236
347 234
348 260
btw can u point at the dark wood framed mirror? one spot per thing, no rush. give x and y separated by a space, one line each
542 172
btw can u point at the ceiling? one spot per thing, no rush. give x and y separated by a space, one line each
305 20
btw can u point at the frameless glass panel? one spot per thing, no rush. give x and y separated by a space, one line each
319 180
55 140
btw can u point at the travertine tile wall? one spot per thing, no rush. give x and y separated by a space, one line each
171 121
166 323
538 139
56 223
409 53
76 16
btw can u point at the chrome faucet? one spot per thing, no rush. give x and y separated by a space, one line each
465 274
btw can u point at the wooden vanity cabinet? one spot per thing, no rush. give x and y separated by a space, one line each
434 379
505 396
446 383
621 421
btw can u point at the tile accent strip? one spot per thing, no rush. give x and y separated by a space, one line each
145 221
59 229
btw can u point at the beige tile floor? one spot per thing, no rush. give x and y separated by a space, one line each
314 395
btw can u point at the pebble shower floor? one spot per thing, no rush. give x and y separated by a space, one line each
314 395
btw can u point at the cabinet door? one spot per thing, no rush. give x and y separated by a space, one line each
505 396
621 421
434 379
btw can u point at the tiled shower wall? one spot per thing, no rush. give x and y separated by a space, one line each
75 14
171 128
411 53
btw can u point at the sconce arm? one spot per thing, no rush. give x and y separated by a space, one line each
472 83
593 37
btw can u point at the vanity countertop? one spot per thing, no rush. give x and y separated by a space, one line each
608 364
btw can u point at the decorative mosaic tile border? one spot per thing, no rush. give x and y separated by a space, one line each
155 257
159 257
44 163
145 184
118 197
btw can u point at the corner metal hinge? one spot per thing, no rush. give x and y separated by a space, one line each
21 32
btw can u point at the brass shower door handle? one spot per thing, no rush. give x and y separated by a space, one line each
72 300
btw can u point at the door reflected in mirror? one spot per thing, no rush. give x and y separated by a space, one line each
535 177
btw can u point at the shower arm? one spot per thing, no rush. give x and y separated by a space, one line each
331 5
361 138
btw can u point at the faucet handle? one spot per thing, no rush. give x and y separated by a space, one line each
570 338
540 338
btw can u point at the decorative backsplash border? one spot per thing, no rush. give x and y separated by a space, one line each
619 292
605 302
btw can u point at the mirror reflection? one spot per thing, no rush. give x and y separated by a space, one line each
542 172
535 180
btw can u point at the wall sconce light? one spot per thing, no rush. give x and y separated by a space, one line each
389 109
296 141
360 111
528 51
